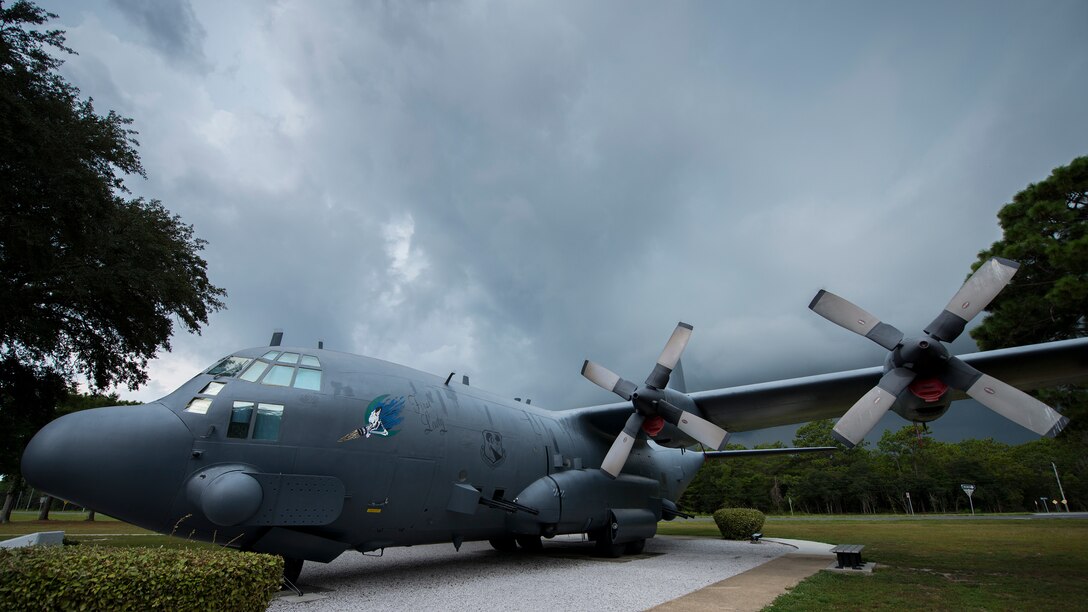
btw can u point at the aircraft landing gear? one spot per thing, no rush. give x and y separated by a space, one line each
635 548
292 569
530 543
608 549
506 544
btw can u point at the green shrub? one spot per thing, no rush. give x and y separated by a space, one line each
105 578
738 523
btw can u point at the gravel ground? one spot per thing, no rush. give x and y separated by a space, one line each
564 576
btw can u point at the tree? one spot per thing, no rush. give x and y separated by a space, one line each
91 281
28 400
1046 229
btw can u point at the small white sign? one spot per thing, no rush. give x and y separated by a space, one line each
968 489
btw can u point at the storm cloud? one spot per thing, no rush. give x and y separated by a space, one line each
505 189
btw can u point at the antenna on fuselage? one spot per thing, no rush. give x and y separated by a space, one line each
277 337
448 379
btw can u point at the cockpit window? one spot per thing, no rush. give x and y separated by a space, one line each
254 371
308 379
213 388
229 366
199 405
279 375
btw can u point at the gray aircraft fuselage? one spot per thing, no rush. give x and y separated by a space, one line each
357 453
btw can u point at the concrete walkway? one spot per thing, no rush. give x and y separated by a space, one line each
758 587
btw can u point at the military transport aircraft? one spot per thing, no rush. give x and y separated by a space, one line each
306 453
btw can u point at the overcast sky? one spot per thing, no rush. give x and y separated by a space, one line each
503 189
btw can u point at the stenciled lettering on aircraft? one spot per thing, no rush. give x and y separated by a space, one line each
491 450
382 419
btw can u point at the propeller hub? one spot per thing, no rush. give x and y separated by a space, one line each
923 356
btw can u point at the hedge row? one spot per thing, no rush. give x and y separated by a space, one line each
738 523
107 578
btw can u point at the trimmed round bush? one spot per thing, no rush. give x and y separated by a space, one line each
738 523
108 578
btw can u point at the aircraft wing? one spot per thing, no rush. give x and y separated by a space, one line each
800 400
823 396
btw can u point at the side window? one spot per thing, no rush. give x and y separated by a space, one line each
240 416
267 426
264 418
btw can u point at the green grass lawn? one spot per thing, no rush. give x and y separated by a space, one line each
103 530
939 564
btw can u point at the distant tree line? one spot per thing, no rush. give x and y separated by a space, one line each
868 480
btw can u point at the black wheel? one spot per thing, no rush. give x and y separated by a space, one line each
636 547
606 548
505 544
292 569
530 542
606 539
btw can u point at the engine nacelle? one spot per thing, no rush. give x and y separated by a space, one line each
579 501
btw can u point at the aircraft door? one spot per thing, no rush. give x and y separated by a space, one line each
413 504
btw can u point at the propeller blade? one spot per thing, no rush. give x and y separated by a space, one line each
702 430
973 296
608 380
617 455
846 314
1017 406
852 428
670 356
676 379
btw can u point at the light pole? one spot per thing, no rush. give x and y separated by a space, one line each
1060 490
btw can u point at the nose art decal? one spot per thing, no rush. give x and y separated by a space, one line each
382 419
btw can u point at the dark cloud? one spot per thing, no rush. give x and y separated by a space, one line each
170 27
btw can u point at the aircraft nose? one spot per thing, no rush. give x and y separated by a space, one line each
124 461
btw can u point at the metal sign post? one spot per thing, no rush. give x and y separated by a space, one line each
969 489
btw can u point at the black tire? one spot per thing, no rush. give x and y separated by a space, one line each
531 543
292 569
635 548
608 549
505 544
